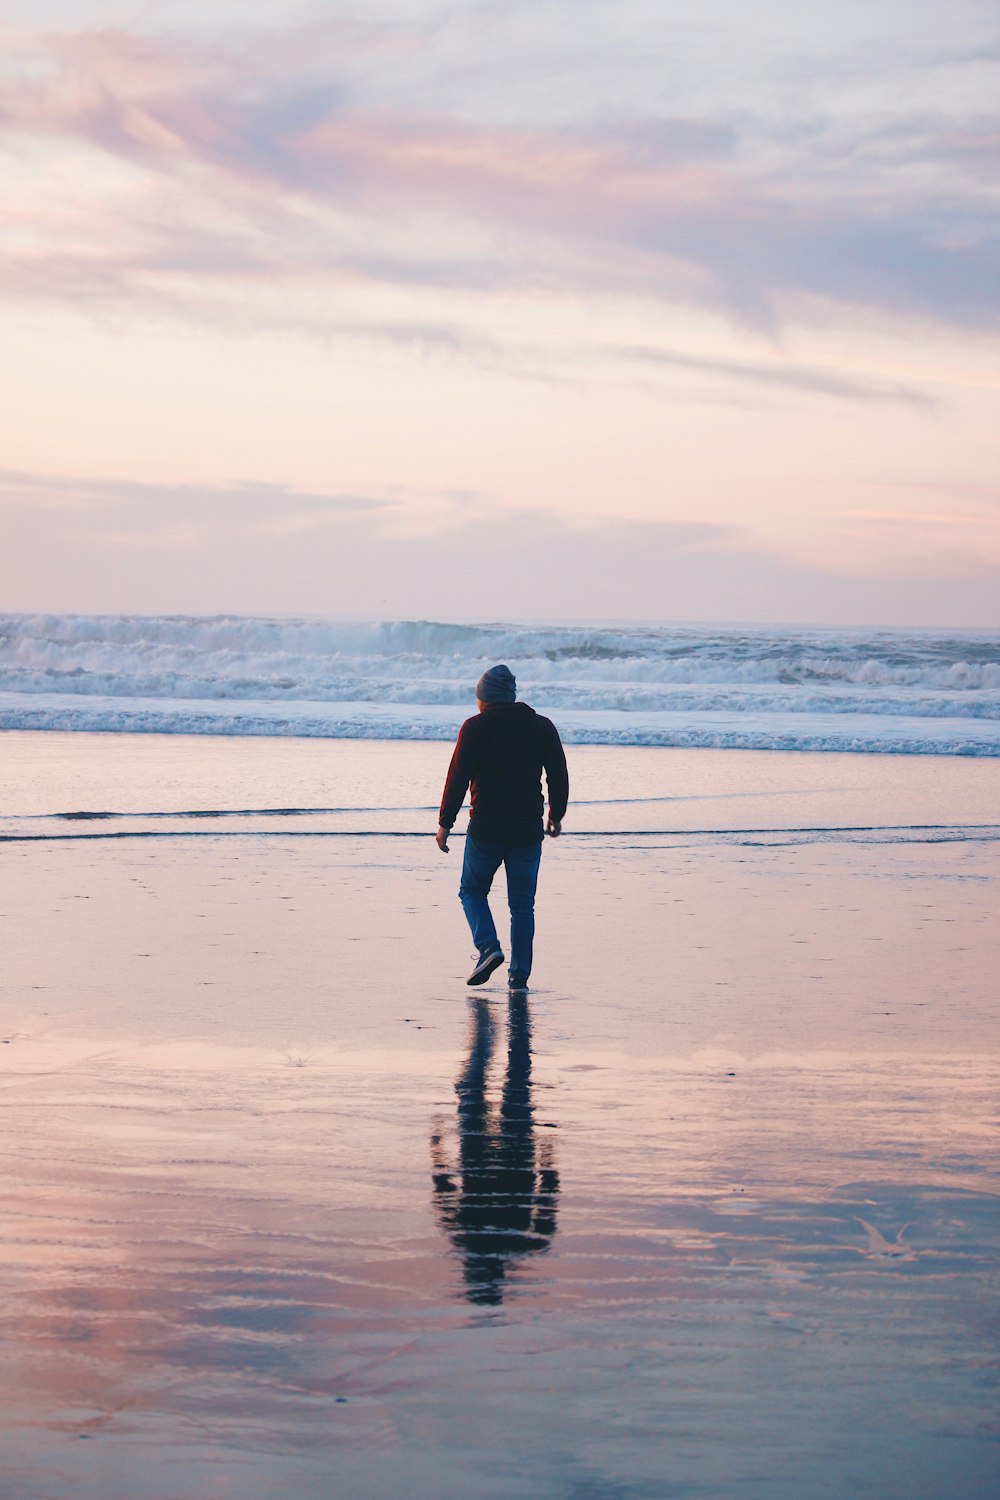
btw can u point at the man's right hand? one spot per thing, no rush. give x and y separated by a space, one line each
553 826
442 839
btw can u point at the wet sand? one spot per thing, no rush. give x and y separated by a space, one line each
289 1210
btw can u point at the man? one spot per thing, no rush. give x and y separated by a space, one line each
501 753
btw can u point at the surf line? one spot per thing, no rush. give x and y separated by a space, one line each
106 815
945 831
227 812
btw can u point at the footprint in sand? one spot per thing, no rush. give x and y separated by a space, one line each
881 1248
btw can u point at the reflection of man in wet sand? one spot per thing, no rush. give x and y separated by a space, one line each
503 1203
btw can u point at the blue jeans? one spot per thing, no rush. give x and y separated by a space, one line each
521 863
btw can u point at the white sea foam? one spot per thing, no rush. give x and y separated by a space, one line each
904 692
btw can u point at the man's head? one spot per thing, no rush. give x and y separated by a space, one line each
498 685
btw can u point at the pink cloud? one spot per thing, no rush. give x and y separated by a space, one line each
152 105
671 208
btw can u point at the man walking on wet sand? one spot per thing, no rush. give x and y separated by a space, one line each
501 753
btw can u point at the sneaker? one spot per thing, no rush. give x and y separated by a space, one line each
517 986
484 968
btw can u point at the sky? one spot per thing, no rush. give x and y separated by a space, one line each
586 309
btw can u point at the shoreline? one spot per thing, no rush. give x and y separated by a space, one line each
841 732
94 786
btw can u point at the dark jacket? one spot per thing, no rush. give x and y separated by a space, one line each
501 753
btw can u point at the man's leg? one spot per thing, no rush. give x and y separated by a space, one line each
522 880
479 866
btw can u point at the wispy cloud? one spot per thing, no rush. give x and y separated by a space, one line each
243 175
777 375
156 514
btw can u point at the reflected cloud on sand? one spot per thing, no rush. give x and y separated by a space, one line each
497 1203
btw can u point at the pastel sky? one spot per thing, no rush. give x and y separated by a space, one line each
569 308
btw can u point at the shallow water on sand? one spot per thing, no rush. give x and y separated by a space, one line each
101 785
289 1210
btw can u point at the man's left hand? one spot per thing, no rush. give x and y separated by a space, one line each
442 839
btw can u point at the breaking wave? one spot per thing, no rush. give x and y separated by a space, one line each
899 691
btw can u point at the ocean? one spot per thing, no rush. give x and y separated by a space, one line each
913 692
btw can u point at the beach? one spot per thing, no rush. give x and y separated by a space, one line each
289 1208
397 397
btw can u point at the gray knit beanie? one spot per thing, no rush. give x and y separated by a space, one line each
498 685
